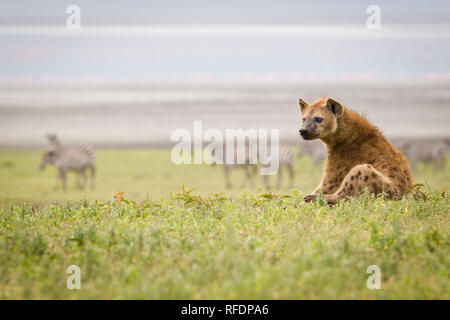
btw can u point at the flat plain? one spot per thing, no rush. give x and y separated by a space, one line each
144 233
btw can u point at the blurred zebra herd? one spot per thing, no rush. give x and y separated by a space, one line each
81 159
286 158
434 153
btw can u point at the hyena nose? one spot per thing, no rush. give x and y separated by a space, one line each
303 132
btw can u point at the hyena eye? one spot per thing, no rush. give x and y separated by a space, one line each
318 119
303 119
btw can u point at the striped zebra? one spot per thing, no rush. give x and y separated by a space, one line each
65 159
286 160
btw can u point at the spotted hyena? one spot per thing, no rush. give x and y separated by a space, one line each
358 155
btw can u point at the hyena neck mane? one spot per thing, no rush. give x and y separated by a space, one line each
352 130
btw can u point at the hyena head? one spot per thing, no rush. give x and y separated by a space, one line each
319 119
48 157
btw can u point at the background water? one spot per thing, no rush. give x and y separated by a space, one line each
146 115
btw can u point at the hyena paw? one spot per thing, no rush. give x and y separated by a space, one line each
309 198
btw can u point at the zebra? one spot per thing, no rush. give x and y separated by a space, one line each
286 160
65 159
250 167
426 152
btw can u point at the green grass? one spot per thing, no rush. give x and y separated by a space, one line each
150 174
141 173
197 245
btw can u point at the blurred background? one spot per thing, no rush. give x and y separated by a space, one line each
137 70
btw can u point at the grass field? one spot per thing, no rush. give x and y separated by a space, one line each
141 174
160 241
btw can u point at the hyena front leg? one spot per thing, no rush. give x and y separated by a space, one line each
312 196
359 178
322 187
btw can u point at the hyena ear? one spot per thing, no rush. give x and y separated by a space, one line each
302 104
335 107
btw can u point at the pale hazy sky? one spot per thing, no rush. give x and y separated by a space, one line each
219 11
119 53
